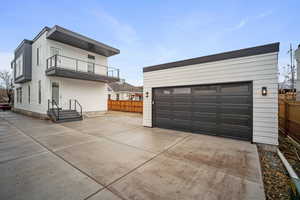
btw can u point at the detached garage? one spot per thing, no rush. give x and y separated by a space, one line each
231 94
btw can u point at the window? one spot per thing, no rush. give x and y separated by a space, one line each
40 92
28 94
109 96
182 90
118 96
91 64
55 51
19 66
38 56
19 95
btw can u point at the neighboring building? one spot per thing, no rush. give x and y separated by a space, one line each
62 65
124 91
297 58
232 94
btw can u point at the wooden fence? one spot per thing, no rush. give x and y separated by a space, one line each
126 106
289 118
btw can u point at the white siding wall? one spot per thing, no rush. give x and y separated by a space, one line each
261 69
91 95
95 92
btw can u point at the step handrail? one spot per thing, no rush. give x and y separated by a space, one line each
53 102
76 102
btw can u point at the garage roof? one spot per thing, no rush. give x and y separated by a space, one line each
268 48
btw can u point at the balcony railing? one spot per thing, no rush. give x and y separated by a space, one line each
81 66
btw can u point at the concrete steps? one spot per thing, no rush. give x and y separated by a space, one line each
64 115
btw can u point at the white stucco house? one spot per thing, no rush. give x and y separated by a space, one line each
124 91
62 74
232 94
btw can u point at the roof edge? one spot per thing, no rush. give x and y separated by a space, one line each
257 50
77 35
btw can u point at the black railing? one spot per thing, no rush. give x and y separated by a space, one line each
78 65
52 107
73 106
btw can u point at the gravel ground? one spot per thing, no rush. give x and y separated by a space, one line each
289 149
275 177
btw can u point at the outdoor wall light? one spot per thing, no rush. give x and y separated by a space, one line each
264 91
147 94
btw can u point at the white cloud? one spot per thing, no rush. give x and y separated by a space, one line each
5 60
245 21
122 31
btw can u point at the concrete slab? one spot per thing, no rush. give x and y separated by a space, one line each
42 130
14 145
43 177
65 139
105 160
149 139
105 195
234 157
168 178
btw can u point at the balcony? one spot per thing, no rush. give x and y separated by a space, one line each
67 67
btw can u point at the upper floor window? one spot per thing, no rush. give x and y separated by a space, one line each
91 64
55 51
38 56
40 92
19 65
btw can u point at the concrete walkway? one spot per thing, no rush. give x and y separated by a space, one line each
113 158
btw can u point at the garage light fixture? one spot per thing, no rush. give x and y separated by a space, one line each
264 91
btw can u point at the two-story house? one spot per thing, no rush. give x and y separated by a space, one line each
61 74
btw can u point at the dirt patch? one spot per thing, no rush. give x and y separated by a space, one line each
291 152
275 177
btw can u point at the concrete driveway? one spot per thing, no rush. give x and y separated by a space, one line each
113 157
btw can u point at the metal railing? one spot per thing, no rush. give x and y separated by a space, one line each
52 107
78 65
74 106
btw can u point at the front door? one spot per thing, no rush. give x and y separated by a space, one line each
55 92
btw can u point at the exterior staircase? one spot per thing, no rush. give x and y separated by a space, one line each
59 115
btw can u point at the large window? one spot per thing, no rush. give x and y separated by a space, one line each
28 94
40 92
19 66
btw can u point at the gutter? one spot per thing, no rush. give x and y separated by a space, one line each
295 183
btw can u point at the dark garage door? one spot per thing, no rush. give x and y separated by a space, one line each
222 110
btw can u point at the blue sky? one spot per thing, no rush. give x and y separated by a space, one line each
154 32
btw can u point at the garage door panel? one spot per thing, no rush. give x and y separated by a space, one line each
239 132
242 120
181 107
181 125
184 115
238 110
204 117
221 109
235 99
204 128
204 99
205 108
